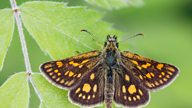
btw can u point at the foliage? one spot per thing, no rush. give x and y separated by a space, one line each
55 28
6 32
15 92
114 4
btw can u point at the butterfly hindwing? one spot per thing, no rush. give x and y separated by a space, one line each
66 73
128 90
152 73
90 90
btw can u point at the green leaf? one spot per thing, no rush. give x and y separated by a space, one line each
56 28
114 4
14 93
6 32
52 96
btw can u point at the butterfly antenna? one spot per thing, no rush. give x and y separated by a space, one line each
139 34
84 30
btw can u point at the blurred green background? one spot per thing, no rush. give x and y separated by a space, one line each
167 26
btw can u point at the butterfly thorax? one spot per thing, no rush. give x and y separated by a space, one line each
110 51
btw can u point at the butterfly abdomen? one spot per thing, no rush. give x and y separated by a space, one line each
109 88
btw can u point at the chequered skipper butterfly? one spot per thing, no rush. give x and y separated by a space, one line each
109 75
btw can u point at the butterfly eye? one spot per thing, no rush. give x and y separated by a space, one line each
108 36
105 44
117 44
115 37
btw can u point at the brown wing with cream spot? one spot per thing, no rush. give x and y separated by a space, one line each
153 74
68 72
129 92
91 88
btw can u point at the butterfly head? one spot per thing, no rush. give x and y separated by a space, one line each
111 42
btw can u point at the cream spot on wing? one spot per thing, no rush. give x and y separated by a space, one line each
138 97
84 96
159 66
71 82
146 65
148 75
156 83
88 97
84 61
161 81
127 77
163 73
125 97
129 98
71 73
93 96
134 62
165 79
59 74
51 73
57 79
140 92
62 81
167 76
79 75
123 89
92 76
152 74
86 87
59 64
78 90
73 63
132 89
95 88
139 67
48 66
66 73
49 70
141 77
171 69
80 95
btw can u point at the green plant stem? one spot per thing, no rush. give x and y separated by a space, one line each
21 35
23 44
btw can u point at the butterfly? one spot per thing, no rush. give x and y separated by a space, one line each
109 75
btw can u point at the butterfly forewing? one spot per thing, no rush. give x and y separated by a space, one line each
66 73
128 90
152 73
90 90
